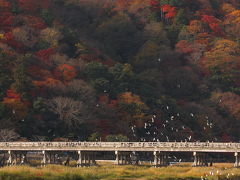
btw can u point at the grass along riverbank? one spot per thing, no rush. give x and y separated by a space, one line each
111 172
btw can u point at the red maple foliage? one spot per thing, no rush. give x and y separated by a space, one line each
213 23
6 19
13 95
33 5
155 5
9 40
184 46
36 22
169 11
166 8
5 5
44 54
39 73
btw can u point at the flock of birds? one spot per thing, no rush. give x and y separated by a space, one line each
168 130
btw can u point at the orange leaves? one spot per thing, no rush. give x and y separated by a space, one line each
232 23
12 97
132 109
121 5
65 72
129 98
14 102
228 8
234 17
229 102
195 27
47 83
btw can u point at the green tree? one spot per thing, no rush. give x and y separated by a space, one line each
122 78
117 138
148 56
94 137
120 37
47 17
181 83
181 17
22 81
5 73
94 70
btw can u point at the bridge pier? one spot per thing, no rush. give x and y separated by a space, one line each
200 159
86 158
237 160
122 158
160 159
23 158
44 159
10 158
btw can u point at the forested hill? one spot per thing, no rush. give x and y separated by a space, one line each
115 70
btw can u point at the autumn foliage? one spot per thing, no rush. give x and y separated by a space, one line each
44 54
65 72
150 70
32 5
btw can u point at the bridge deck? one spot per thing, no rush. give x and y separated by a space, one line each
121 146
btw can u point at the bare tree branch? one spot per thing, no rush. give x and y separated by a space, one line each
71 112
8 135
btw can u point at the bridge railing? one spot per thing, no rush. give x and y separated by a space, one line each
60 145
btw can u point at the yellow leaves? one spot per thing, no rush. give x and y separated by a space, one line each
80 47
223 48
224 57
195 27
51 35
2 36
129 98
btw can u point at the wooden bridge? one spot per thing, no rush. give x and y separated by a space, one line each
124 151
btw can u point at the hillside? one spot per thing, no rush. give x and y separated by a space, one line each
118 70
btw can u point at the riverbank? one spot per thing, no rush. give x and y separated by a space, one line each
111 172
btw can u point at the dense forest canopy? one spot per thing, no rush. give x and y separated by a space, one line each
119 70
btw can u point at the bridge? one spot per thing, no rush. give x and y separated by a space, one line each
18 152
